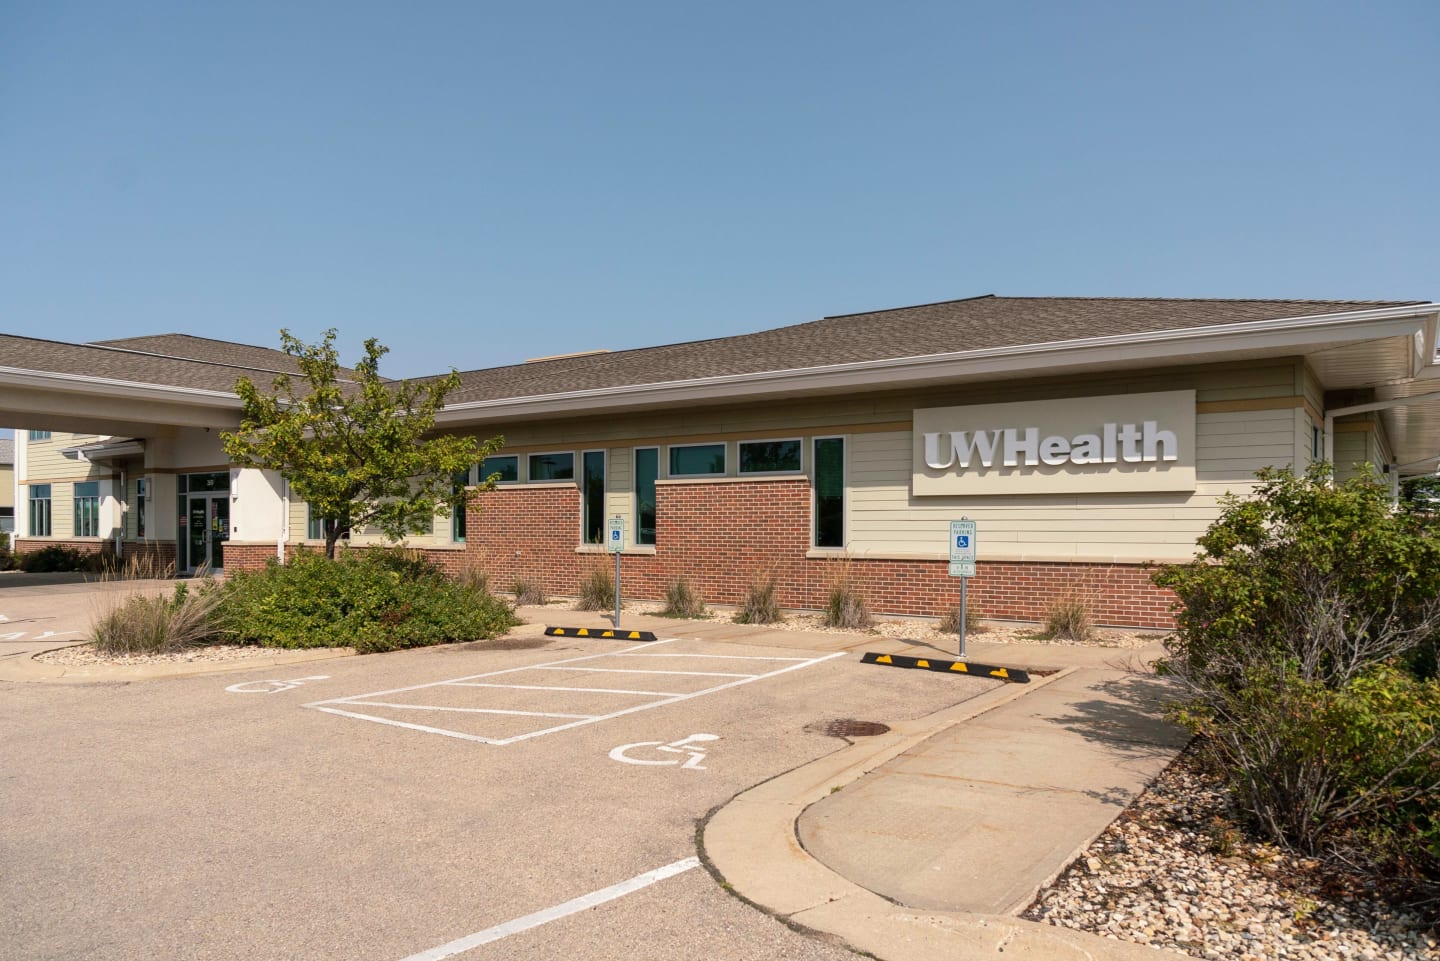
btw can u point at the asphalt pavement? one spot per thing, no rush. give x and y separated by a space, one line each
526 799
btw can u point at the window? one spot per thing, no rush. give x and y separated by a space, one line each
457 515
142 496
697 459
7 519
552 467
592 494
315 524
507 467
647 469
40 510
769 456
87 510
829 492
40 435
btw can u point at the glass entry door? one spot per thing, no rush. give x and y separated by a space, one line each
207 528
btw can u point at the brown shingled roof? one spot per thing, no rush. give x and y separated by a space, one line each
223 352
978 323
957 325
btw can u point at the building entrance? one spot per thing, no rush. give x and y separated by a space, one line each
204 521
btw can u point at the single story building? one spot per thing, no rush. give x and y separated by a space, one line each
1089 438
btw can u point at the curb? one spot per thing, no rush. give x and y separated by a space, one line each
751 846
28 670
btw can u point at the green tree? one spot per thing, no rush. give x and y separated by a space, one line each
360 451
1421 495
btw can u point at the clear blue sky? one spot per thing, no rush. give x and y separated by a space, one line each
477 183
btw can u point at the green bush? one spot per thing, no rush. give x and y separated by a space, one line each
157 623
1305 648
682 601
58 558
7 556
372 602
597 589
760 605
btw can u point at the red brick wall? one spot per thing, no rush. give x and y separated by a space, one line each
719 534
85 545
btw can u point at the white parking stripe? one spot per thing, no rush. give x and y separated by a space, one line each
721 657
466 710
406 724
573 906
575 690
345 706
634 670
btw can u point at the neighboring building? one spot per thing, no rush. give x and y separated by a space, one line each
7 485
1088 437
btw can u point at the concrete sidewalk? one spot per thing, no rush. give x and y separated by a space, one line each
925 843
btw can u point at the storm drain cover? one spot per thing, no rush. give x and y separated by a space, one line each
847 727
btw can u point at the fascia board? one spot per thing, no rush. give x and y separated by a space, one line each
1287 333
108 387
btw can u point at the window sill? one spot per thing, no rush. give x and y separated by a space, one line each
641 549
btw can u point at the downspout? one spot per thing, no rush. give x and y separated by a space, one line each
124 501
284 520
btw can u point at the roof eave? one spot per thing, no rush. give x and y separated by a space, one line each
1282 333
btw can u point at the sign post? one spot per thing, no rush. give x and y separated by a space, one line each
615 542
962 564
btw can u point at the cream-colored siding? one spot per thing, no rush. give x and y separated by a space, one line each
1274 383
619 494
884 519
45 464
1355 446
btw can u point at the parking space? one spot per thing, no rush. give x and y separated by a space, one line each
475 796
516 704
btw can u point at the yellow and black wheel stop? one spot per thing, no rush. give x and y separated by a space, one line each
608 633
1011 675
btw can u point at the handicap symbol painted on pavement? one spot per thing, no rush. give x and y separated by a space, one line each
273 687
686 746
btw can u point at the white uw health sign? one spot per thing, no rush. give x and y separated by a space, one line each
1119 444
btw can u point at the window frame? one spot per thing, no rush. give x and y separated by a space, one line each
142 495
740 470
481 475
47 512
584 499
635 495
815 493
529 474
86 524
724 458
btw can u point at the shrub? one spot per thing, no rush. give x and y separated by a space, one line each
474 578
845 606
7 556
528 591
760 605
681 601
372 602
597 589
156 622
1305 625
950 620
57 558
1068 619
141 567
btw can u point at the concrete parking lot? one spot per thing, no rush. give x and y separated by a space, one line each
387 807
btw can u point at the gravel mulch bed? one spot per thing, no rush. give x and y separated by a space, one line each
916 629
85 655
1173 873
